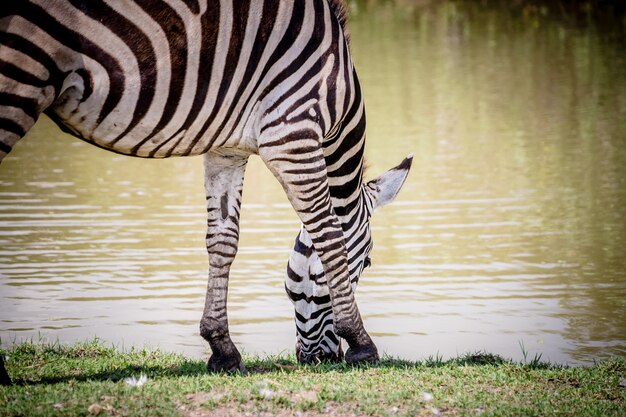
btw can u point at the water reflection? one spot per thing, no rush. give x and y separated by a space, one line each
519 181
510 228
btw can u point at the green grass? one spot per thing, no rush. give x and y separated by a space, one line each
87 379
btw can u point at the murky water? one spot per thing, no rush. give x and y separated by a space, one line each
510 230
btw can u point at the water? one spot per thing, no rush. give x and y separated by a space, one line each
509 232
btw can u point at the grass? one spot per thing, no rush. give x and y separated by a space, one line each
88 379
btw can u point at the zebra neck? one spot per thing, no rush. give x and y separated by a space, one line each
345 173
347 194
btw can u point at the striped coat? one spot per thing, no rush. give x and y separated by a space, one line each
225 79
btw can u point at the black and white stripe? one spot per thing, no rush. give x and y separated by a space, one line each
224 79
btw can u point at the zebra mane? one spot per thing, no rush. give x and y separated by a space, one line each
340 9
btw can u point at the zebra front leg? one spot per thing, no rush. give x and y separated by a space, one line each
300 167
223 182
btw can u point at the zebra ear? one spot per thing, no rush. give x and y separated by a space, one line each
384 188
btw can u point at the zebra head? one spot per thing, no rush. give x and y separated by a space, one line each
306 282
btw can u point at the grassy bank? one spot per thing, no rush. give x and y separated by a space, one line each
88 379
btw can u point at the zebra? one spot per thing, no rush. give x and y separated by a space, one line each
224 79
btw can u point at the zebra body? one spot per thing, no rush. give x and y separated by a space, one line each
224 79
194 78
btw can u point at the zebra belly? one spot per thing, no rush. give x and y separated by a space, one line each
143 134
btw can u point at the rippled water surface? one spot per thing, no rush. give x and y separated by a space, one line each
510 230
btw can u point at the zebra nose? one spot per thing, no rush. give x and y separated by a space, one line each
309 359
314 358
304 358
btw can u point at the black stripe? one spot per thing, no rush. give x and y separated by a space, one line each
301 248
10 71
11 126
292 275
18 43
314 315
5 148
28 105
332 336
294 296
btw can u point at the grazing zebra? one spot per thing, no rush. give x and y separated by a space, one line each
224 79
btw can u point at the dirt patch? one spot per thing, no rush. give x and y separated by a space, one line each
202 397
233 409
225 411
307 395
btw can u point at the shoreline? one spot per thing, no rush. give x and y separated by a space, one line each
90 378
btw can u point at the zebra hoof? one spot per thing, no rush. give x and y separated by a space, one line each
226 364
5 380
367 353
4 376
